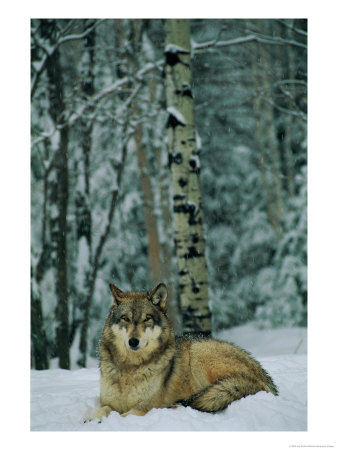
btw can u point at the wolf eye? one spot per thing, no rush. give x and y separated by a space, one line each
125 319
147 318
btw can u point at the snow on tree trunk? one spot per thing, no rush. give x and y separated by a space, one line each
185 168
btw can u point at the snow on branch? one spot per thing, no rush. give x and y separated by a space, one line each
175 49
198 47
73 116
149 67
110 89
72 37
50 49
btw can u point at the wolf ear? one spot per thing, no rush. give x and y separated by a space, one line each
118 295
158 296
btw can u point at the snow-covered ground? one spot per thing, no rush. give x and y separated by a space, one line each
61 398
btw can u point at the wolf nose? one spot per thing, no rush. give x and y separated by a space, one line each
133 342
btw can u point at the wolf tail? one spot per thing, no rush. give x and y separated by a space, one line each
218 396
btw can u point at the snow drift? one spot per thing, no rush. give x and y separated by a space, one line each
60 398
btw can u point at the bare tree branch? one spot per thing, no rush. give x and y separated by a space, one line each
49 50
291 27
73 116
199 47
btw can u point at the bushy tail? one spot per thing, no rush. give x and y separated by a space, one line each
218 396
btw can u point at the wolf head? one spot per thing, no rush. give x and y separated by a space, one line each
137 325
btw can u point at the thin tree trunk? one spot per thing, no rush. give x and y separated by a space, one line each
83 210
59 200
258 110
61 312
164 206
38 334
167 251
140 137
271 137
268 156
148 206
289 161
96 261
185 167
159 179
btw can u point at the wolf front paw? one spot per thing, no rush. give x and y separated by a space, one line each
104 411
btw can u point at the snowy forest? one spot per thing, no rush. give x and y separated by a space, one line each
106 204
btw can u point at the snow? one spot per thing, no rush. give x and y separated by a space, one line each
82 263
60 398
172 48
177 114
194 162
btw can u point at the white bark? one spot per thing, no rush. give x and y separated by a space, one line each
184 163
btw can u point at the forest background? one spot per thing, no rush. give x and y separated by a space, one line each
100 181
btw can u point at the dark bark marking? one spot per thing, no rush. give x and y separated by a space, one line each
175 158
183 272
172 56
195 289
193 253
195 238
179 197
173 122
182 182
187 91
188 209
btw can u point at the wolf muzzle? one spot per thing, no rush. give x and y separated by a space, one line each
133 343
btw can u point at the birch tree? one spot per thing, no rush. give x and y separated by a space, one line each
185 167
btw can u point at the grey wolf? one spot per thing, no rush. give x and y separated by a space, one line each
144 366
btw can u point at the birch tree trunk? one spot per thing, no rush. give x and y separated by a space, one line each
185 168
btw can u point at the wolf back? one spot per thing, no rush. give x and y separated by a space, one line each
144 366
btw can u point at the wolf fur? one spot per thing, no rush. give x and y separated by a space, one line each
144 366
